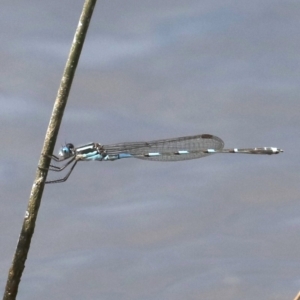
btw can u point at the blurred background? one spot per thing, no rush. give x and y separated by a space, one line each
223 226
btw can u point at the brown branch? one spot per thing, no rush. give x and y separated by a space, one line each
18 263
297 297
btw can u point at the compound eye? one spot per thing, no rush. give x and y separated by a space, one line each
70 146
66 151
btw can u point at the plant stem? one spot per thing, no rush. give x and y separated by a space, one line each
20 256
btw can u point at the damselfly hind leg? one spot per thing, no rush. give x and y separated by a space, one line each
67 176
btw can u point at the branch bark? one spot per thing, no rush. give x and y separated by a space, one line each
27 230
297 297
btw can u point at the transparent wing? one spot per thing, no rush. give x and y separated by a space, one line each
182 148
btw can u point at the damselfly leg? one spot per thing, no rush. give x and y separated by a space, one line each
68 174
58 169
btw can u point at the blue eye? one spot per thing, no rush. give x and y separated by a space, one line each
66 151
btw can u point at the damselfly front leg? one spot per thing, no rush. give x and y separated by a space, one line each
58 169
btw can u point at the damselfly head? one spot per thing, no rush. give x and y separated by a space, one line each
66 151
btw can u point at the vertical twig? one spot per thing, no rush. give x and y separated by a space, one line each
18 263
297 297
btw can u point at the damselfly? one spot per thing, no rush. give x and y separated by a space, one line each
176 149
